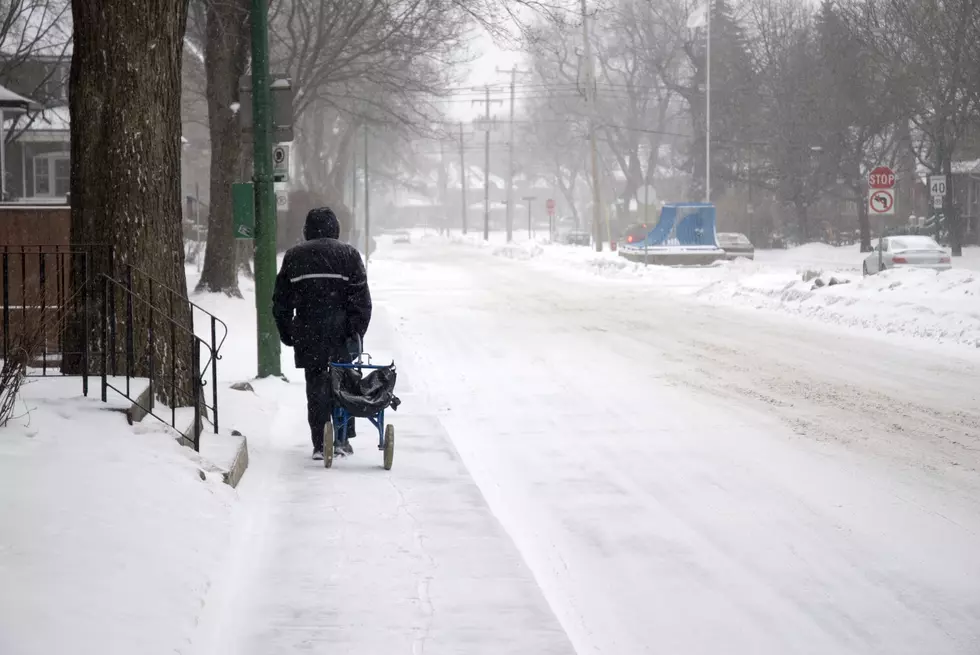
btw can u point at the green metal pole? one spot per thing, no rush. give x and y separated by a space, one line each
265 197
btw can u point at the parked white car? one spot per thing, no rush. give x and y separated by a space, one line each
735 245
911 250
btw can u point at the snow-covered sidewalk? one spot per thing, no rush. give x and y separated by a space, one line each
364 561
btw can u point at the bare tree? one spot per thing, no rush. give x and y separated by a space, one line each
34 35
226 47
735 101
361 63
633 104
799 161
631 64
860 108
929 48
35 49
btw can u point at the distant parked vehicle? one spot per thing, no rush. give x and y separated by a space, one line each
578 238
635 233
563 226
402 236
917 251
736 244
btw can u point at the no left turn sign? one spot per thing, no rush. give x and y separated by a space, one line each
881 202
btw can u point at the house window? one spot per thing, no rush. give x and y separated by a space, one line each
56 85
52 175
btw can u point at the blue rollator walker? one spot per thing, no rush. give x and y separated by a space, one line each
356 395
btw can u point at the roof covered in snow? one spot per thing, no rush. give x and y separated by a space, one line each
53 119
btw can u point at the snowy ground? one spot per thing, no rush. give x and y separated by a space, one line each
108 534
603 463
356 559
689 478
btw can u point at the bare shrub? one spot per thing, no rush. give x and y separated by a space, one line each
24 344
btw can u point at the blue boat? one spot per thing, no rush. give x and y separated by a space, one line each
685 235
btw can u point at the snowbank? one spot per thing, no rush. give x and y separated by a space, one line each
917 303
912 302
523 251
109 532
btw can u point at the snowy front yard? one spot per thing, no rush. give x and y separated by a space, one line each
112 536
108 533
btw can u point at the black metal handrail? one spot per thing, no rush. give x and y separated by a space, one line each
214 348
73 292
111 286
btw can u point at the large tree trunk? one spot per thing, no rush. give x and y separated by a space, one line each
225 52
954 219
125 178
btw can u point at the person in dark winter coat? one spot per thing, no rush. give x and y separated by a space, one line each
322 308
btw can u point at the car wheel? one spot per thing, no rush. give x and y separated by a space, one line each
865 267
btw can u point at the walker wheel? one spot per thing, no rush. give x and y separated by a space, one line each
389 446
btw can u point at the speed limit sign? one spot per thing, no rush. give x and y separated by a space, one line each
937 185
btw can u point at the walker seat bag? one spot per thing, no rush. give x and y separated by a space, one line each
362 395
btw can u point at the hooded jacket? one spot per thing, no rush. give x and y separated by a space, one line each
321 301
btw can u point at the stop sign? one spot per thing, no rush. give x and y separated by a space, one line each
550 206
881 177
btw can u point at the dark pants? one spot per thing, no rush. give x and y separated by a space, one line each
319 402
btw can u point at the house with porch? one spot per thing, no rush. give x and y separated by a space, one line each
35 60
36 157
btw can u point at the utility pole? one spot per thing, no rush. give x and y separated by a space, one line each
462 174
510 176
265 195
529 200
486 175
707 107
590 92
443 182
486 167
367 203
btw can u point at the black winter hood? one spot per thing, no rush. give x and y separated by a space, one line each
321 223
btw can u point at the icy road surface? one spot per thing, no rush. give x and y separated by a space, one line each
689 479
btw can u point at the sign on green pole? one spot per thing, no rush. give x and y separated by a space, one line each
243 210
